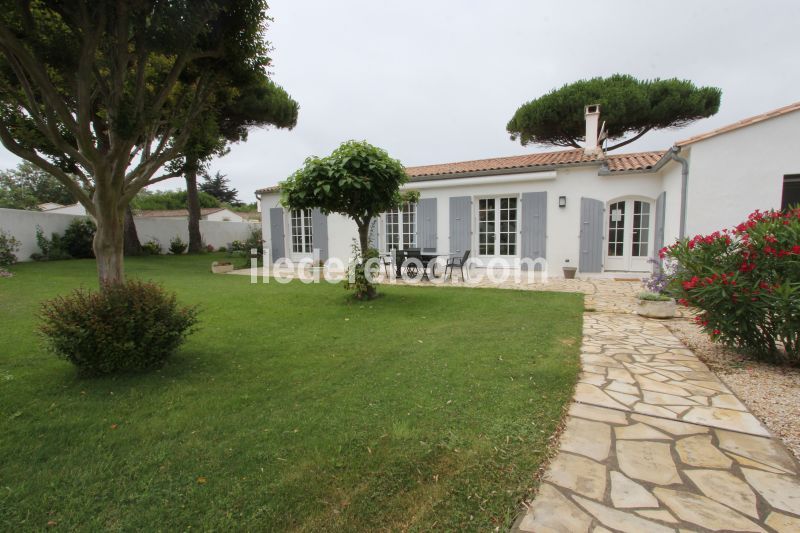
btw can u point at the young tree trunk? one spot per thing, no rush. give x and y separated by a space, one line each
193 205
363 237
109 238
131 245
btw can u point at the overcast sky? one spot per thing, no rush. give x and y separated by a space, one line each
436 81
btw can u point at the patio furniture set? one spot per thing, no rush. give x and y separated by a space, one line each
419 264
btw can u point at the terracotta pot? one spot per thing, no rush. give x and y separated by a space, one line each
569 272
656 309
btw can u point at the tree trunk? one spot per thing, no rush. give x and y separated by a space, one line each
131 246
193 206
109 238
363 238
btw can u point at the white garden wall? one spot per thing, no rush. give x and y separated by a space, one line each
22 225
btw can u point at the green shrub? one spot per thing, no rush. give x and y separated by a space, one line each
151 247
126 327
52 249
746 283
177 246
78 238
8 248
222 249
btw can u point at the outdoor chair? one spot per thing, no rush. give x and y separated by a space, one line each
389 260
459 262
412 267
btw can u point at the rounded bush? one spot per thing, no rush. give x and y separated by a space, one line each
78 238
126 327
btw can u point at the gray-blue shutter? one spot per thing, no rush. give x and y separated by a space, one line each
319 233
591 240
276 236
658 238
534 225
426 224
460 224
374 230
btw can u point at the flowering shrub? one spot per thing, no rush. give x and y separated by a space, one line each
8 248
121 328
745 282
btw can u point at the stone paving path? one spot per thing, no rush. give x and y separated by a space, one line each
654 441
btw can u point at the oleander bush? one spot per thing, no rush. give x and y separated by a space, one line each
120 328
744 283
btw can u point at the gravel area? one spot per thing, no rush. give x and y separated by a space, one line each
771 392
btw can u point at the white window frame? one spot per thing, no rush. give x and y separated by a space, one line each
302 220
405 222
497 225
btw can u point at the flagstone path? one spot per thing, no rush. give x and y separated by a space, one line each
654 441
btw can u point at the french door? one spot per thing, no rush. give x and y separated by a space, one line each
497 226
629 237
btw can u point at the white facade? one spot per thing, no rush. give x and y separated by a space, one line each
730 174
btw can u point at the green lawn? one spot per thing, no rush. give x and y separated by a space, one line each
292 408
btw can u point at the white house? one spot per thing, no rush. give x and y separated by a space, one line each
604 213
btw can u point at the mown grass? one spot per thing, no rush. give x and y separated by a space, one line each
292 408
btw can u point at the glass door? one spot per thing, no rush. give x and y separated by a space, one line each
629 236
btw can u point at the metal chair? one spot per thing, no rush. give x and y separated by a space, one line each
412 267
388 260
459 262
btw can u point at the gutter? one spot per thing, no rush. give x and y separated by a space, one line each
672 154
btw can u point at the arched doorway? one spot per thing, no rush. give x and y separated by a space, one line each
629 234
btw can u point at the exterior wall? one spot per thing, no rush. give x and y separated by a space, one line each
732 174
22 225
672 176
563 224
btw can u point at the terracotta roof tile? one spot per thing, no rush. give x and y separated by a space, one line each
615 162
742 123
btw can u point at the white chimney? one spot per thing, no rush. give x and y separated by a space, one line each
592 113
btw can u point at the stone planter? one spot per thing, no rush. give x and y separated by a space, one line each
221 268
569 272
656 309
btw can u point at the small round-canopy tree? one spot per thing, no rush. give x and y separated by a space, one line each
630 107
357 180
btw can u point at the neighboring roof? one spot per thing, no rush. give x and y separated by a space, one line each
742 123
615 163
249 215
47 206
563 158
176 213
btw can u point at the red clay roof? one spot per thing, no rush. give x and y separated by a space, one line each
616 163
742 123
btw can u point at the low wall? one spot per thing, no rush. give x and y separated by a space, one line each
22 225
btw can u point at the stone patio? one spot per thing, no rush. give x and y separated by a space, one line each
654 441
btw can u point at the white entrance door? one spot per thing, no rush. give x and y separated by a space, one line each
629 236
